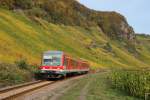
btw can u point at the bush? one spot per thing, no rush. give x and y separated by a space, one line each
13 4
131 48
22 64
108 47
37 12
10 74
24 4
8 4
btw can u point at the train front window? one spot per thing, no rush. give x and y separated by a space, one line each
52 60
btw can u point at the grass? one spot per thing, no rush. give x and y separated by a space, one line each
98 88
22 37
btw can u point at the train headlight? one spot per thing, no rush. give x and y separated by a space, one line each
42 71
61 70
58 68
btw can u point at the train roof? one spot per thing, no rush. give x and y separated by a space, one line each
53 52
61 52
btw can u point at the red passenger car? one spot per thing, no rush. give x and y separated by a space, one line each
56 64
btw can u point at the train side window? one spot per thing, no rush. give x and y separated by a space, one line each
74 63
66 62
71 62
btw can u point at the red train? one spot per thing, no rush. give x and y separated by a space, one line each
56 64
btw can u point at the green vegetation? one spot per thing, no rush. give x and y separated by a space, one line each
22 63
29 27
11 74
95 87
108 47
16 73
32 26
135 83
23 38
11 4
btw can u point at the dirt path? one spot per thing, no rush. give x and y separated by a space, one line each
84 91
61 92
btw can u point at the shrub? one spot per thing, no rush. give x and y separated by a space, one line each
24 4
13 4
108 47
10 74
9 4
37 12
22 64
131 48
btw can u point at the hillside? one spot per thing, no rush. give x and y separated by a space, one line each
27 28
72 13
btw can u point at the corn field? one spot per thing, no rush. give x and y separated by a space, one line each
135 83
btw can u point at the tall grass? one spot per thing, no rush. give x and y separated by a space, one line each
135 83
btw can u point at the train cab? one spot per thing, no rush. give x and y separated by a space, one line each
52 64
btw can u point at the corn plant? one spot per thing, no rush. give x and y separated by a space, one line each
135 83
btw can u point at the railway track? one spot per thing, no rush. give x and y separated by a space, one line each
14 91
9 93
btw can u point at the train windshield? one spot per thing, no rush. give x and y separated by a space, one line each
52 59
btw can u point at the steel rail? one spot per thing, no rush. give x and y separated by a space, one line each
14 91
5 89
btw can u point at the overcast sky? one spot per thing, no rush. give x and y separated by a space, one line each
137 12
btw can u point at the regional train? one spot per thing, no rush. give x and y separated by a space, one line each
57 64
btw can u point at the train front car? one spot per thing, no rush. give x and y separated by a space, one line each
52 65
